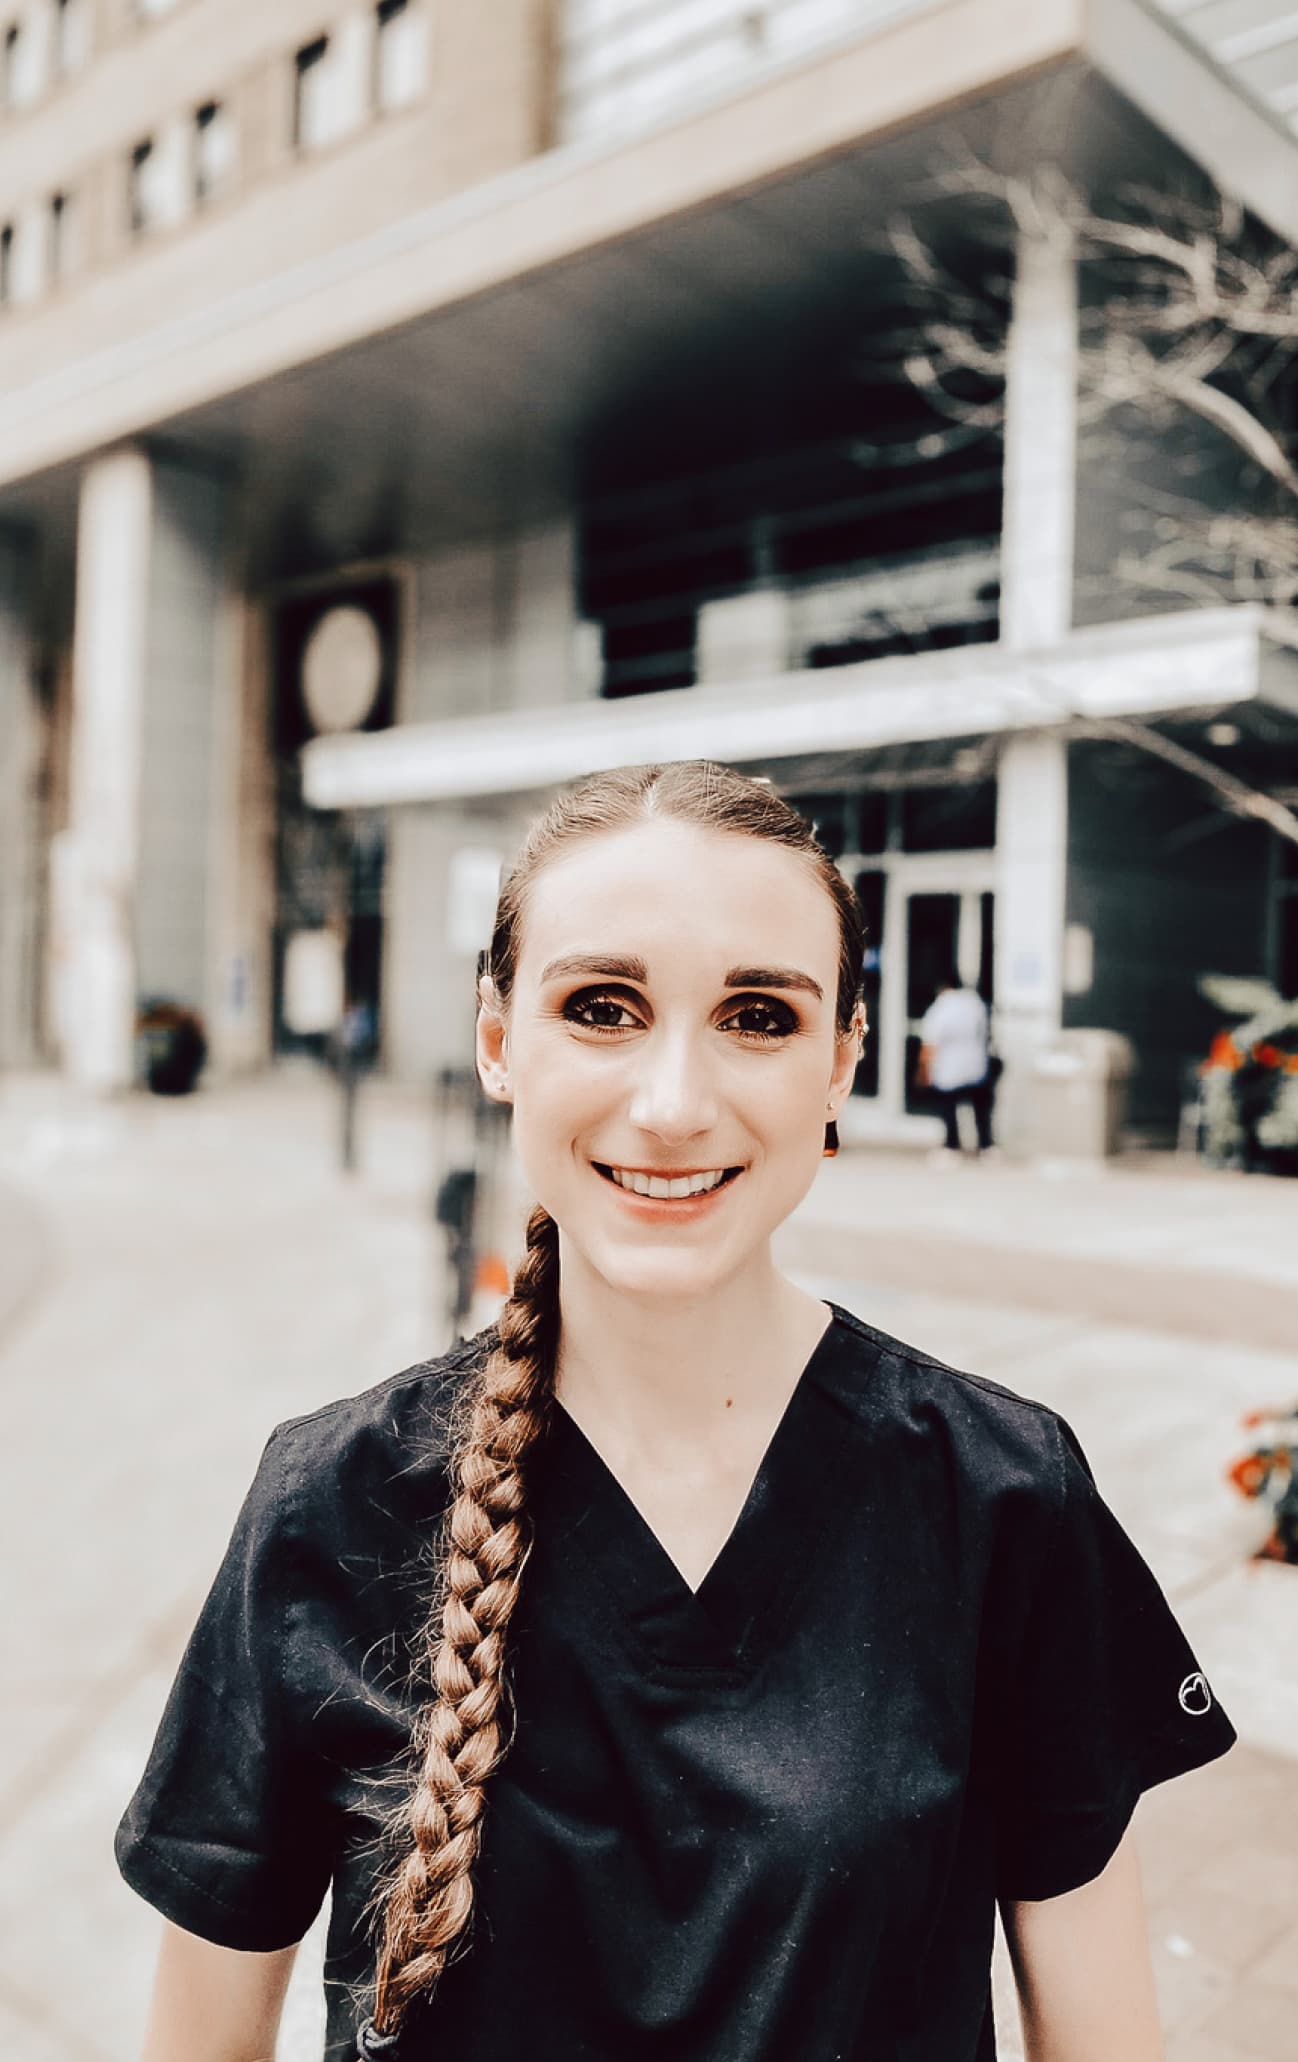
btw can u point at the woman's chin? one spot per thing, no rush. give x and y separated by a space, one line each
661 1270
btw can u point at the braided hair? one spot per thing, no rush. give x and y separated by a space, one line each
502 1414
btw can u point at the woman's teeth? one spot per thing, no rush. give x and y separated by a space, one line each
667 1190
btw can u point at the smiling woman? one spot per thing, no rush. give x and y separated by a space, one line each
764 1654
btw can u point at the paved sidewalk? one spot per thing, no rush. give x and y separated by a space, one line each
177 1277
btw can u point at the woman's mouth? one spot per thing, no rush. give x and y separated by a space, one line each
669 1189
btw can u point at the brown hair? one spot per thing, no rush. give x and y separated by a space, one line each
502 1413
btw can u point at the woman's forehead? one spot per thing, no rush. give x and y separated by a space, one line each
679 888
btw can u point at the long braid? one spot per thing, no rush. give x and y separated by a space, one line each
461 1735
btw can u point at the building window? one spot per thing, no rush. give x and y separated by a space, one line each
63 230
311 96
6 264
71 36
214 150
11 66
149 10
400 47
141 189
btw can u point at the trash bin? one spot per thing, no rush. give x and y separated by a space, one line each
1079 1094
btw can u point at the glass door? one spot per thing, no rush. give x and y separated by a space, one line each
949 933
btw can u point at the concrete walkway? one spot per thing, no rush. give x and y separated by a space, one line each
177 1277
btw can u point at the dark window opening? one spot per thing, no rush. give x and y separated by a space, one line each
958 818
59 236
9 71
139 205
306 63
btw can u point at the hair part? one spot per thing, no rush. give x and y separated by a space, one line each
461 1736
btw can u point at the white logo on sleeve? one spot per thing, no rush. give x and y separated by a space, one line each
1195 1696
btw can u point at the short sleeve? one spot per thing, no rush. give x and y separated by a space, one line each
224 1834
1106 1698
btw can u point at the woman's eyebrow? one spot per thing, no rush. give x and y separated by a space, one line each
610 965
614 967
773 977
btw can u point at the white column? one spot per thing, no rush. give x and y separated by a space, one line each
1031 861
19 767
1037 558
1040 447
539 633
188 688
94 872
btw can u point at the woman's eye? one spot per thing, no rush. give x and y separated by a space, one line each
599 1012
756 1022
763 1020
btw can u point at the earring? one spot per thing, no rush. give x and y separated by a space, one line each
831 1140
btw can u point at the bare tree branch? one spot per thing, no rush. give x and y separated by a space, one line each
1237 795
1188 313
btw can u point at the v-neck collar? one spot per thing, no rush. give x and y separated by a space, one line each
722 1627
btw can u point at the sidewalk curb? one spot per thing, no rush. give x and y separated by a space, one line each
1201 1304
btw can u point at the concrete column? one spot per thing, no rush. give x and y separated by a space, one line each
132 874
1040 447
1031 859
94 872
184 749
539 637
20 744
242 904
1037 560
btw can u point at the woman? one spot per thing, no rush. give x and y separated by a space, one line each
815 1648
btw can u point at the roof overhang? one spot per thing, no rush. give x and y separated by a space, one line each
1167 68
917 63
1204 659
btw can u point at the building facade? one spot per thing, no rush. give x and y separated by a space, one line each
405 408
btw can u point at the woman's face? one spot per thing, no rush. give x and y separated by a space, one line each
672 1019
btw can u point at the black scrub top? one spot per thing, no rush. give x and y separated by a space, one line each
766 1821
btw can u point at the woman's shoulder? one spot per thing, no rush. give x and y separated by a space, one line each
999 1439
387 1444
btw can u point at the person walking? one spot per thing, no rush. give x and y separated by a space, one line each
682 1667
955 1062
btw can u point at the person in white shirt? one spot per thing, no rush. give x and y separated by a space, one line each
954 1060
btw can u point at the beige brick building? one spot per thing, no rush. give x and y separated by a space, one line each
536 338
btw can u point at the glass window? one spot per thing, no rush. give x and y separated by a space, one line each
399 53
63 233
140 199
11 65
214 150
310 98
6 264
71 35
958 818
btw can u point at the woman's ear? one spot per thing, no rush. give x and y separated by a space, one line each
847 1057
491 1044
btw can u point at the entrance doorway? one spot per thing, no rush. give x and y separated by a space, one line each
927 914
947 932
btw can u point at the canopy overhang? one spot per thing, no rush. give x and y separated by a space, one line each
1197 662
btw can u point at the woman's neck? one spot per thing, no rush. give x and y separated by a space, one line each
659 1378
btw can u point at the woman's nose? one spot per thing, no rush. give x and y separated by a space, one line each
673 1093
